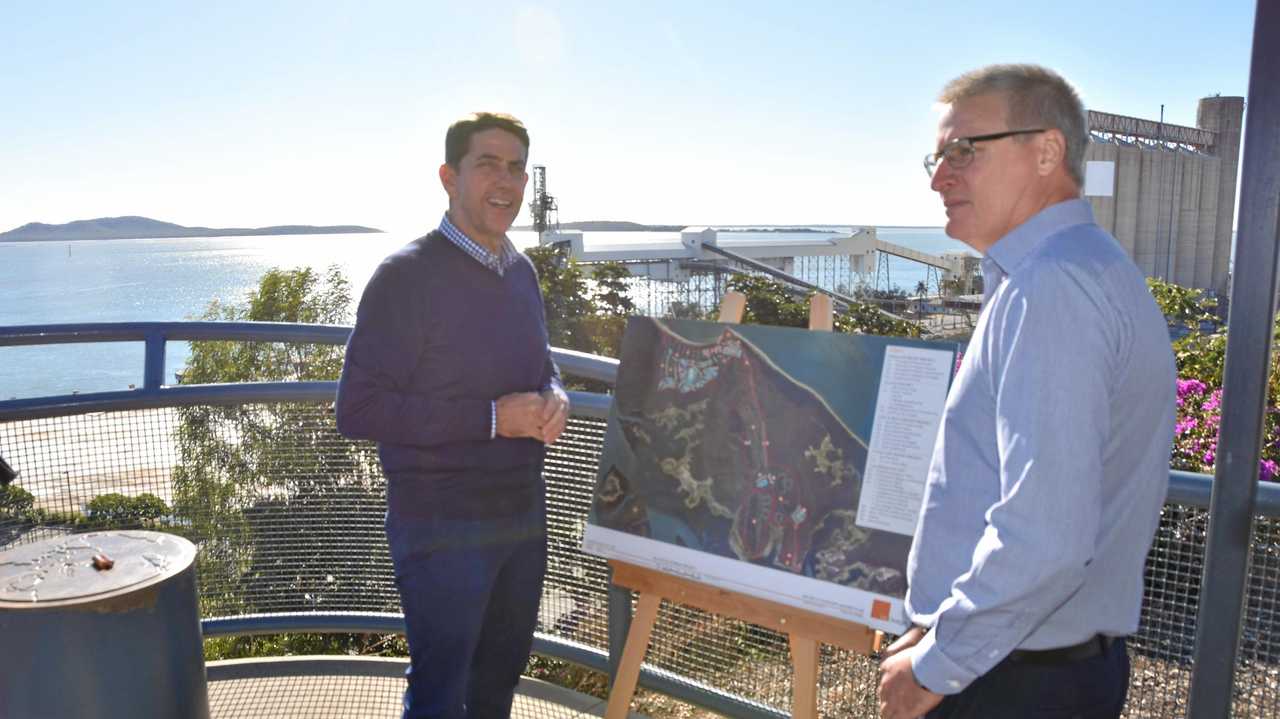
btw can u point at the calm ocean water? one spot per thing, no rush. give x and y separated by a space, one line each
177 279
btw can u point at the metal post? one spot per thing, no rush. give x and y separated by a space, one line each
153 368
619 624
1249 343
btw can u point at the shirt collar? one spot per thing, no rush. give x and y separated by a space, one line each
1009 251
497 263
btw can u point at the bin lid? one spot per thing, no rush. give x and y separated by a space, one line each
62 569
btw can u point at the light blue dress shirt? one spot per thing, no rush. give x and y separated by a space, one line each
497 263
1052 459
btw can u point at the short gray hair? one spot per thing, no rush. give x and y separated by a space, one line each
1035 96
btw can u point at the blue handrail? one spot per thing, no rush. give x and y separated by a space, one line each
155 394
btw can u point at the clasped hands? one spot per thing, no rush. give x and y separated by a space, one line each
536 416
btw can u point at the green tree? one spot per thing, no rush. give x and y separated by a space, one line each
770 302
1182 306
1202 356
612 306
16 503
565 297
1199 355
612 288
253 480
300 296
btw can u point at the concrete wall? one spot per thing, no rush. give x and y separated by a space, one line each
1128 172
1149 187
1208 223
1104 208
1187 229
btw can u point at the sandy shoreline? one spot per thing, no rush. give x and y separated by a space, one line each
66 461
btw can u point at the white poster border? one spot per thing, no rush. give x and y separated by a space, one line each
775 585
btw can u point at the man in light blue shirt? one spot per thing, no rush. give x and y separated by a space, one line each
1051 462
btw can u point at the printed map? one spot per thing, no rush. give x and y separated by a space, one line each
749 443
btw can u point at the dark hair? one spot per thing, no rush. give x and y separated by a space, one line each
458 139
1034 97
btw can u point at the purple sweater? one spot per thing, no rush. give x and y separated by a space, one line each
437 338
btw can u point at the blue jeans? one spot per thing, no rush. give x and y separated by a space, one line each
470 591
1092 688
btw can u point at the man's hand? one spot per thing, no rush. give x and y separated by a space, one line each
520 415
900 696
906 641
555 413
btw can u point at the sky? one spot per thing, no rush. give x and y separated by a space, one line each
247 114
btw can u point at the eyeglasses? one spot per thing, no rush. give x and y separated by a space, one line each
960 151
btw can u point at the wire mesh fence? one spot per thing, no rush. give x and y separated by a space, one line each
288 516
1258 667
1161 650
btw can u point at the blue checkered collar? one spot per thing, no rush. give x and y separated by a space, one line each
498 263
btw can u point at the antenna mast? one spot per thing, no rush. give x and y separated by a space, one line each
543 206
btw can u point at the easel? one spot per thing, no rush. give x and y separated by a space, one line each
803 628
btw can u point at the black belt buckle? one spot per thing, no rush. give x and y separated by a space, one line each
1094 646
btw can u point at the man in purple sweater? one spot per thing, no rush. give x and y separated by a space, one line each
448 369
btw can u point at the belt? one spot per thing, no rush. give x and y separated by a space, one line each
1094 646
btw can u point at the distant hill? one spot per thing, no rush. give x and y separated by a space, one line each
611 226
128 228
622 226
785 230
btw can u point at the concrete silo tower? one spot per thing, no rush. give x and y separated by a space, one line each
1168 192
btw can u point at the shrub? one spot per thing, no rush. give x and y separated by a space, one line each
119 511
1200 356
15 502
1195 435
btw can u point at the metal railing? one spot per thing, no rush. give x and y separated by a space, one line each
288 517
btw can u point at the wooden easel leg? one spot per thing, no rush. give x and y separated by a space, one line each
804 686
732 307
624 685
821 314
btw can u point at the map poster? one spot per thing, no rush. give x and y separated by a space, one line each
737 455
